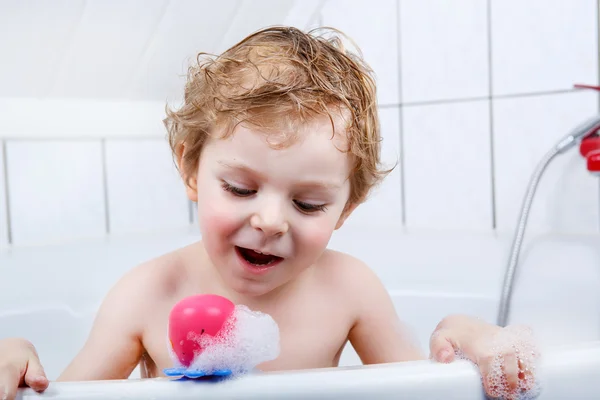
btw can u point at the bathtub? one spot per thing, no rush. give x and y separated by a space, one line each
428 274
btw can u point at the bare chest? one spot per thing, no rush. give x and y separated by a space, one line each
310 337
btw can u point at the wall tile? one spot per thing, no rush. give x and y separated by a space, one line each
55 190
447 166
145 191
373 26
540 45
525 129
384 206
3 216
444 49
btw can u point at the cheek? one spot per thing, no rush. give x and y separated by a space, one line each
217 215
316 235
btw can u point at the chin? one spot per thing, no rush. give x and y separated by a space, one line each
250 288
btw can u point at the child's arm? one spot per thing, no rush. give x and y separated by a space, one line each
113 347
378 335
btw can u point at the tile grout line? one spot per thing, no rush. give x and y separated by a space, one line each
9 235
105 186
381 106
491 118
400 120
93 138
483 98
191 211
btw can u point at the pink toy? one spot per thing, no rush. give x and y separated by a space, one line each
195 316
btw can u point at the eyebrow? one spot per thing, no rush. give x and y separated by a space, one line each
302 184
238 166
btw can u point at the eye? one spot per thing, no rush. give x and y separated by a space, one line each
237 191
309 208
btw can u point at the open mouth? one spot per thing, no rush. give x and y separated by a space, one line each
257 259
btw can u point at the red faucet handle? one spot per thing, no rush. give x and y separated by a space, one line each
593 162
589 144
584 86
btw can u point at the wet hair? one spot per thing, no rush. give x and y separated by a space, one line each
276 79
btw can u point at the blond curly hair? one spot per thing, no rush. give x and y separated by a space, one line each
276 78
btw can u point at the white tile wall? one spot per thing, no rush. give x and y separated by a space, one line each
421 51
384 206
444 49
524 130
448 166
543 45
145 191
372 25
55 190
3 216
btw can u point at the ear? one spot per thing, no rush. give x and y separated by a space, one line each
190 180
345 214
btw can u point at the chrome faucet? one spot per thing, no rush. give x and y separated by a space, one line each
574 138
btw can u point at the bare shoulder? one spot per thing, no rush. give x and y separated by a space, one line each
377 334
136 296
345 270
355 282
157 278
114 346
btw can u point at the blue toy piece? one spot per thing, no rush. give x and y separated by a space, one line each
196 373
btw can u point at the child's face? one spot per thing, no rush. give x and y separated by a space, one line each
280 202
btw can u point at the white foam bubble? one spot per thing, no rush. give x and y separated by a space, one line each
248 339
173 356
519 341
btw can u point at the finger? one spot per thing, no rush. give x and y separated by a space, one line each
526 376
511 370
35 377
442 346
9 381
491 385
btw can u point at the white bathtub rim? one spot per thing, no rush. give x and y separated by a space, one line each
563 370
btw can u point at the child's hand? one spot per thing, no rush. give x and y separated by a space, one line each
505 356
19 365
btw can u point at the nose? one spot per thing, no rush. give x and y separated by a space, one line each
270 219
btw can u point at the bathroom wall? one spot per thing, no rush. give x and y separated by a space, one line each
472 93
